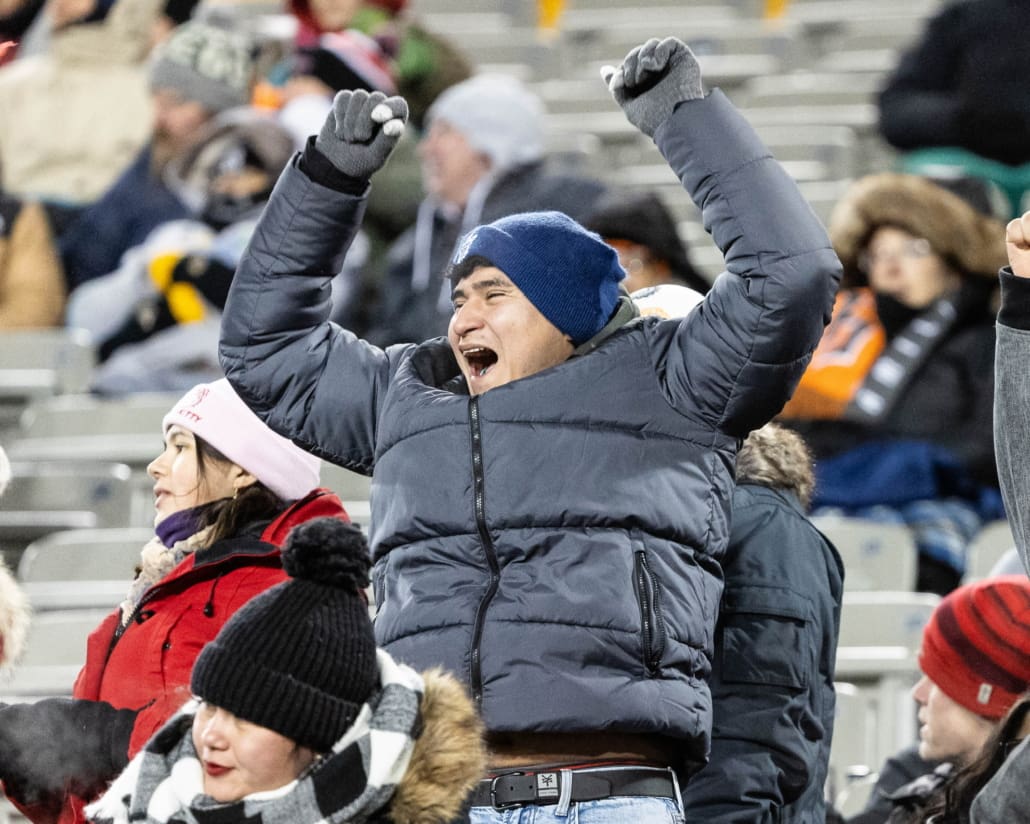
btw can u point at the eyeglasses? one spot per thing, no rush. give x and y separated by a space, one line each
914 249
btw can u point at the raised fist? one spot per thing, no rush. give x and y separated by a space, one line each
361 130
652 79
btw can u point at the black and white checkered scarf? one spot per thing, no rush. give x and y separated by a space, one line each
163 784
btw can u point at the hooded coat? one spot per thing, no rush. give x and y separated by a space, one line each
947 401
553 542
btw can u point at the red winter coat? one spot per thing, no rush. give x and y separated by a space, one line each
147 665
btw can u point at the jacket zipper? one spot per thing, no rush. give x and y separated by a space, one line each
476 675
651 625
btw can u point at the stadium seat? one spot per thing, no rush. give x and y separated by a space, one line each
990 543
46 497
81 567
876 556
54 653
880 634
37 363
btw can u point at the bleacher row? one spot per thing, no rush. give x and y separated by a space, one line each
806 80
80 507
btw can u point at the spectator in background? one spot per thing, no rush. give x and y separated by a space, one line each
32 291
197 72
299 719
957 804
155 319
961 89
14 606
896 404
775 647
54 144
975 668
638 225
482 159
422 63
227 490
389 52
302 94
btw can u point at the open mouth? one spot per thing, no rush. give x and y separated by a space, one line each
480 360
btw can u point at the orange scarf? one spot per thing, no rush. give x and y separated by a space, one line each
852 342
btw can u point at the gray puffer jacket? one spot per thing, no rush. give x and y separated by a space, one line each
555 540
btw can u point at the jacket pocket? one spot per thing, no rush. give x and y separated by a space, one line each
765 637
652 624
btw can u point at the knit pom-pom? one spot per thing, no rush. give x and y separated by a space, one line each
328 551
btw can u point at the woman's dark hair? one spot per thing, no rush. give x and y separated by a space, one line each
951 803
228 516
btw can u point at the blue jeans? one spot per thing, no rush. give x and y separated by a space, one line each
617 810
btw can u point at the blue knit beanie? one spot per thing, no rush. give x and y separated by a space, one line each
568 273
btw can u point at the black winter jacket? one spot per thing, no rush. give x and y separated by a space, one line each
772 673
964 83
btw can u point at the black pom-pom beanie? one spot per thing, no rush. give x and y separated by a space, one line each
300 658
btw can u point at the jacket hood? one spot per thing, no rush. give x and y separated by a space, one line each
968 240
777 457
449 756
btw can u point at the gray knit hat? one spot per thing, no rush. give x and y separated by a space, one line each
209 65
497 115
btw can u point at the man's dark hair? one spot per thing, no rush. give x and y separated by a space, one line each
456 272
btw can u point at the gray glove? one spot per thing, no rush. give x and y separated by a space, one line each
652 79
361 130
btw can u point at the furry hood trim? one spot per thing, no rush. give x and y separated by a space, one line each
968 240
449 756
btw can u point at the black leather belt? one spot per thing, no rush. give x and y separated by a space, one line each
514 789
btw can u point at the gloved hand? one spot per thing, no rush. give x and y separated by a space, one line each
652 79
61 745
361 130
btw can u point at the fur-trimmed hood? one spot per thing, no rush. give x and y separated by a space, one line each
777 457
448 759
14 619
410 756
971 242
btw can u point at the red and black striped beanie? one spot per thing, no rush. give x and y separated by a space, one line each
976 645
